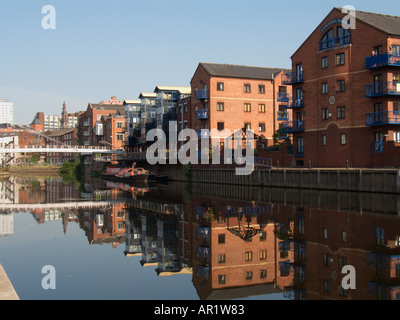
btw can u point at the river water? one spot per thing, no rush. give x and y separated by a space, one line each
101 240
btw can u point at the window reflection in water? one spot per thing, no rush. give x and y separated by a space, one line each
235 242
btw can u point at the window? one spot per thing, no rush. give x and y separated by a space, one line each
247 87
343 292
342 262
343 139
263 254
263 236
221 279
328 40
220 106
261 108
263 274
344 236
300 226
325 234
341 112
120 137
377 50
325 88
380 236
249 256
327 286
396 137
324 139
325 114
340 59
221 258
340 86
396 78
261 88
119 125
324 62
249 275
247 107
261 127
327 260
247 126
220 126
220 86
396 107
221 238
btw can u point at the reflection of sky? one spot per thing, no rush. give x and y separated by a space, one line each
82 271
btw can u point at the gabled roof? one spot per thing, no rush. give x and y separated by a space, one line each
239 71
386 23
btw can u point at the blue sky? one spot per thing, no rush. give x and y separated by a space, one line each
102 48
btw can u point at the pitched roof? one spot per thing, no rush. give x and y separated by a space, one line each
183 90
60 132
137 101
387 23
147 95
108 107
239 71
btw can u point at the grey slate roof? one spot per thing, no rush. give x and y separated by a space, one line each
239 71
387 23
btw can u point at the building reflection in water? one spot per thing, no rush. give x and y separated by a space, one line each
236 242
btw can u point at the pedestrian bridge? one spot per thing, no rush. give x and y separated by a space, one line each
62 149
15 207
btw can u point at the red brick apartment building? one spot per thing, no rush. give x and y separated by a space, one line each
90 125
346 84
65 138
114 131
234 97
235 254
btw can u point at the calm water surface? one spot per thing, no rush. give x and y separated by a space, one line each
195 242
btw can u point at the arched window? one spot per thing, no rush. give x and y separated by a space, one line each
343 36
328 40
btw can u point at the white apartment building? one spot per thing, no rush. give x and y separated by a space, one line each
6 111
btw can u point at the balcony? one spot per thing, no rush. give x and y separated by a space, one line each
382 118
382 60
202 94
292 126
292 78
390 88
283 116
203 134
202 114
203 232
296 103
283 96
335 42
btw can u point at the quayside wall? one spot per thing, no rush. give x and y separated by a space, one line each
357 180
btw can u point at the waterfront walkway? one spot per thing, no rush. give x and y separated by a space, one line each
7 291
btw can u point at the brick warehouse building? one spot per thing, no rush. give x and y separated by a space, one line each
234 97
347 83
